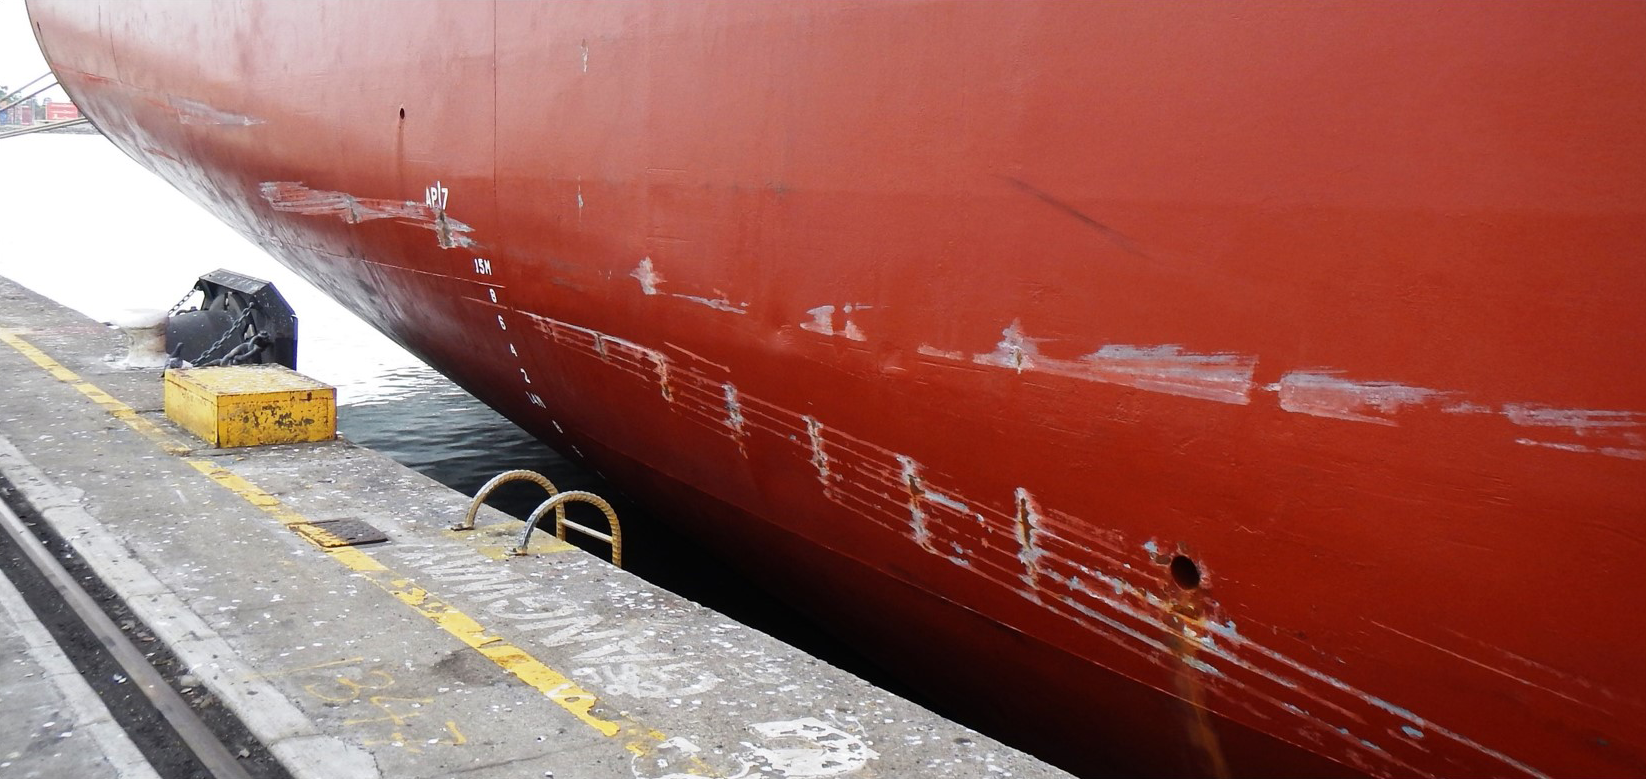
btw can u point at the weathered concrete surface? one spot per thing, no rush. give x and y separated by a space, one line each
55 726
432 654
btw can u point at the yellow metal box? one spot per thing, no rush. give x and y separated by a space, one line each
251 405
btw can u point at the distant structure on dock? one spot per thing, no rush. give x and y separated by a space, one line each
27 113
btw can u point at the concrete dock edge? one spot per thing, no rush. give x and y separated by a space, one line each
88 711
266 712
430 653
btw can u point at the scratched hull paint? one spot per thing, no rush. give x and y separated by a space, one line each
1193 388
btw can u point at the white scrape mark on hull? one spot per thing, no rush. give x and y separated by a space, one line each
734 410
297 198
1584 422
822 322
648 276
197 113
1609 451
1326 394
651 281
718 304
946 354
1225 378
820 458
1167 369
1015 351
1055 561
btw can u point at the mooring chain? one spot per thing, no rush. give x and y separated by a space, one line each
238 326
178 306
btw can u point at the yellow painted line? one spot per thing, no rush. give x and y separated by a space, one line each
563 691
249 492
118 410
556 686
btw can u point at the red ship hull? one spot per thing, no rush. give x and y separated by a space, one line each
1203 388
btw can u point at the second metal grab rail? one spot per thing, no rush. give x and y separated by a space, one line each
557 502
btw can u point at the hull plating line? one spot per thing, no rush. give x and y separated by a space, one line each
434 653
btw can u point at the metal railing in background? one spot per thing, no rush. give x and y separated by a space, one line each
36 80
29 96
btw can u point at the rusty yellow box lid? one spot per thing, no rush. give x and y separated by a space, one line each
251 405
248 379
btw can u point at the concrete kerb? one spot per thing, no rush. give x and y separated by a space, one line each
88 711
290 735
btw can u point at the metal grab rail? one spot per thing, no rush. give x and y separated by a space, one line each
498 481
558 503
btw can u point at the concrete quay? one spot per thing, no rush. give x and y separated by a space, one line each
434 653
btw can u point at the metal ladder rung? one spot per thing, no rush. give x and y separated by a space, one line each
587 531
557 502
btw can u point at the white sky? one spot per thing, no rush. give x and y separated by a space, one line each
20 58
